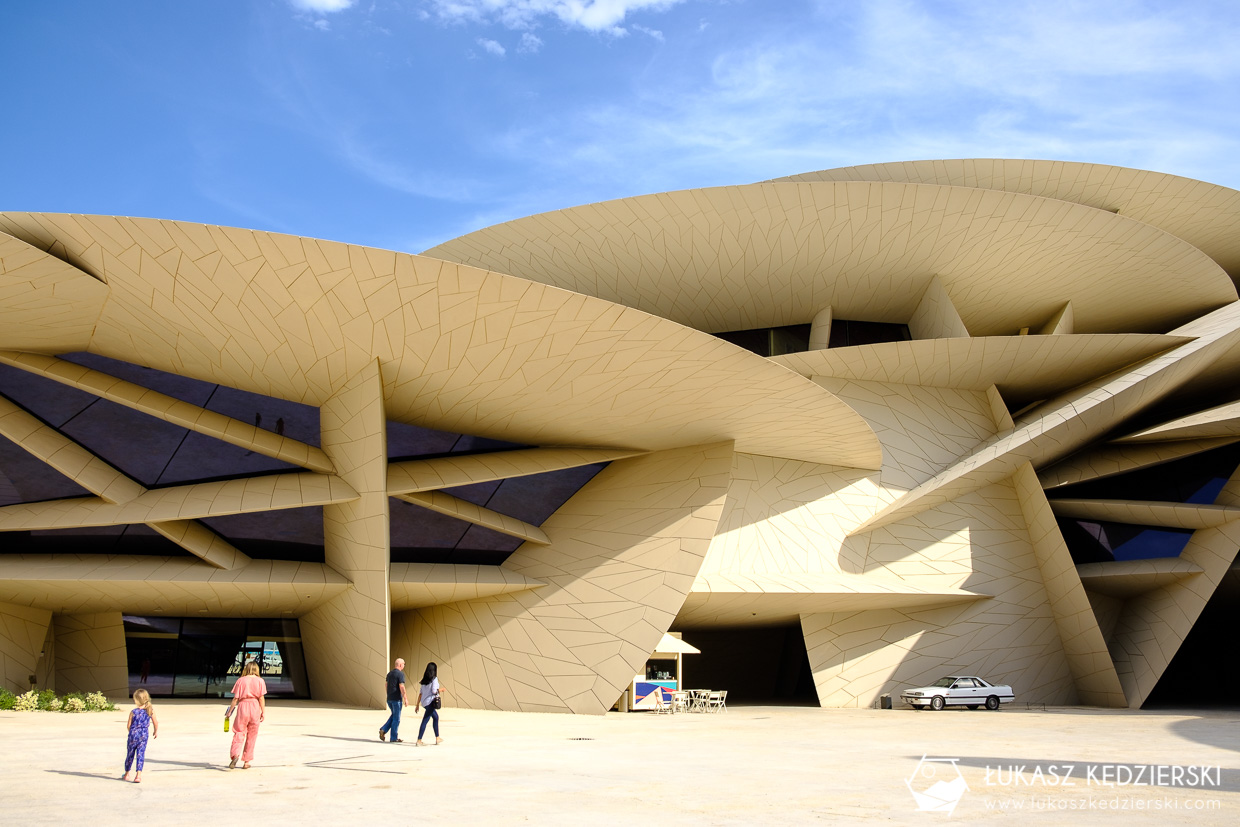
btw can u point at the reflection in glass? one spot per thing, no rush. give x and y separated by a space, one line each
1097 541
203 657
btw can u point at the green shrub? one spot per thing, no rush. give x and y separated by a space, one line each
47 701
96 702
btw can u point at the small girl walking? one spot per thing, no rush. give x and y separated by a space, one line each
141 717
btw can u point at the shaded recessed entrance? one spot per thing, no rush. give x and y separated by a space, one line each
767 665
1205 672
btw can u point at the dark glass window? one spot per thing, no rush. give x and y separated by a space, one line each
1096 541
109 539
287 534
850 333
26 479
423 536
776 341
202 657
1197 479
411 442
770 341
154 452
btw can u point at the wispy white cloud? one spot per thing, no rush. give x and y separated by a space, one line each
653 33
530 43
604 16
322 25
1115 81
492 47
321 6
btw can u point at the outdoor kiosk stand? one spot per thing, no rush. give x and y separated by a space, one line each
664 673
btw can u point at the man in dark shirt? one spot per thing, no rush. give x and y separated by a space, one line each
394 684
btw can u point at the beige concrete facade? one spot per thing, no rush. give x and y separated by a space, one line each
888 501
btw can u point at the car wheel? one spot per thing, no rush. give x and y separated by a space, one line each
992 703
972 706
936 703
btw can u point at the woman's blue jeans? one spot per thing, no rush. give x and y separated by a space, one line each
431 714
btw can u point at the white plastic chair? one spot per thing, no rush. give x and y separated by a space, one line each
717 701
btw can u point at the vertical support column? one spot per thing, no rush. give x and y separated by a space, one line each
347 638
91 654
1093 671
820 330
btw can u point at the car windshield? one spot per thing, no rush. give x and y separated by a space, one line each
944 681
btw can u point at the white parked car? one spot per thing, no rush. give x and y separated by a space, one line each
959 690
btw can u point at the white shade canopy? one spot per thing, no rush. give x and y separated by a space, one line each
674 645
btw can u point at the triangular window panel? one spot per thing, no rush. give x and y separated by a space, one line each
1098 541
24 478
412 442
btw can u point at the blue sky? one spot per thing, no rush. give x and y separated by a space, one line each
402 123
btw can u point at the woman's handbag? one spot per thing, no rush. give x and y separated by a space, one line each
437 703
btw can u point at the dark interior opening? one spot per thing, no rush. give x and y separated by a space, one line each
1205 671
766 666
1197 479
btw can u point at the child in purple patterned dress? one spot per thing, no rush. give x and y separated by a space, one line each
141 717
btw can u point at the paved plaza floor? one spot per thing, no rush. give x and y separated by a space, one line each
319 764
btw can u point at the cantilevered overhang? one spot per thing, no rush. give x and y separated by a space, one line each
736 599
1129 578
733 258
1205 215
460 349
1033 367
419 585
69 583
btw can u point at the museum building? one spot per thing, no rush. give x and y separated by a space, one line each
847 432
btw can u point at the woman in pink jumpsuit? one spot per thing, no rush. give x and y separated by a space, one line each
251 708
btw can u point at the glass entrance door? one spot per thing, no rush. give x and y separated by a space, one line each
203 657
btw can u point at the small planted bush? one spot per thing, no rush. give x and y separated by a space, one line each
47 701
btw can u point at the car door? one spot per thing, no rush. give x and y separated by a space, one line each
964 691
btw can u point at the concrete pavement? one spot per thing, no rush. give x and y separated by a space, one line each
753 765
